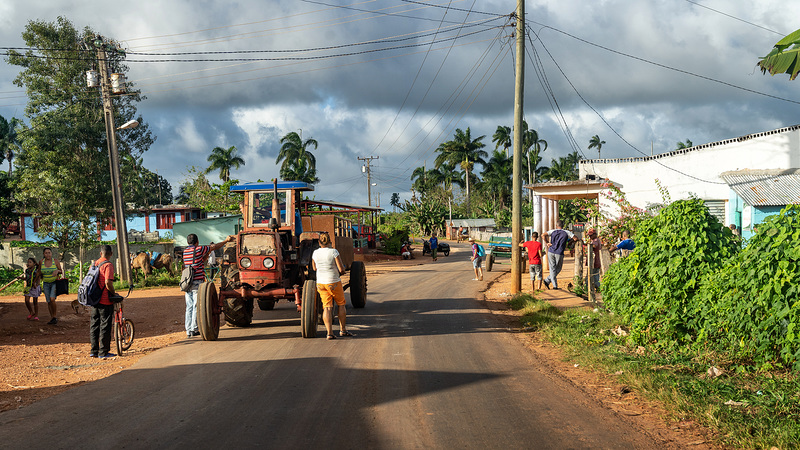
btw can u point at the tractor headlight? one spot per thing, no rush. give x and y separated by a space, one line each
245 262
268 263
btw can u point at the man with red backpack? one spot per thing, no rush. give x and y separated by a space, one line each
196 255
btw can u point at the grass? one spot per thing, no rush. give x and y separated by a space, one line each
763 409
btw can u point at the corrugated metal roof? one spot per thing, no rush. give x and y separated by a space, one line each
776 187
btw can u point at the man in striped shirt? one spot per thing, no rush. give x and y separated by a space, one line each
196 255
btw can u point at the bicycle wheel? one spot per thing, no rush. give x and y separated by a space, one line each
118 338
127 334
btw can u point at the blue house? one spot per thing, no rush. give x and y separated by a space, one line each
159 218
756 194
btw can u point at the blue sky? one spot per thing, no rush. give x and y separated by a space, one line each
400 104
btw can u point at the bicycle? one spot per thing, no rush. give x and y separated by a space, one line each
123 329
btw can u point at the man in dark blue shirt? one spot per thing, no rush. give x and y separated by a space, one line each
556 243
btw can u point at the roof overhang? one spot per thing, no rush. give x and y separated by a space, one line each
569 190
282 185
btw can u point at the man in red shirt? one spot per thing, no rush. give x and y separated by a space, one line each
535 253
103 313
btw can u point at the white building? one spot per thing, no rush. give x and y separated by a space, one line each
697 171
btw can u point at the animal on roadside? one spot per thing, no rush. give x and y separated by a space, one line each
146 262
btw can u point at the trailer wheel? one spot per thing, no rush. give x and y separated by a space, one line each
489 262
238 311
447 252
308 310
358 284
266 305
208 311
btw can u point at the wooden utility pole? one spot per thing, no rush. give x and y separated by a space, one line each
516 204
367 160
123 254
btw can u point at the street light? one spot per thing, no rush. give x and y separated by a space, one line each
129 124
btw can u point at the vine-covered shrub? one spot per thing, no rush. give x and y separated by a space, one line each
756 296
654 289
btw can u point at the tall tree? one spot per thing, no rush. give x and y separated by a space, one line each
503 136
395 200
63 167
683 145
224 159
464 151
8 139
564 169
299 164
498 176
595 142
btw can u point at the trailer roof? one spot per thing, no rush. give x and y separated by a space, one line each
263 186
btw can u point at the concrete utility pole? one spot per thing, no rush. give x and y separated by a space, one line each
367 160
516 203
123 254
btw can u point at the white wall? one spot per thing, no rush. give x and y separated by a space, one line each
777 149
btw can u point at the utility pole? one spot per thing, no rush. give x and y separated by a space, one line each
365 168
516 204
123 254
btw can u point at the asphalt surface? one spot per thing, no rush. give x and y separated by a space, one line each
429 368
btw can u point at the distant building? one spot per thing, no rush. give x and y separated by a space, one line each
756 194
158 219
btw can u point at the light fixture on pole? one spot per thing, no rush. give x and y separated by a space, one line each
129 124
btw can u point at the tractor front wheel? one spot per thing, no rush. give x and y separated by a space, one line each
208 311
308 310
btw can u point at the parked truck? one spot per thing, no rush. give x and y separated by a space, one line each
270 260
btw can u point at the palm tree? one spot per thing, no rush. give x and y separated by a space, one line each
595 142
565 169
8 140
464 151
224 160
498 175
395 200
299 164
683 145
503 137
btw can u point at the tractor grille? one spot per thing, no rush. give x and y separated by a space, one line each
258 244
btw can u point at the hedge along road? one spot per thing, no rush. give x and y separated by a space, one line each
429 368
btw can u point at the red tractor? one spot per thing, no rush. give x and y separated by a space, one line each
271 260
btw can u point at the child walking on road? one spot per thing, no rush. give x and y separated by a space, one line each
33 289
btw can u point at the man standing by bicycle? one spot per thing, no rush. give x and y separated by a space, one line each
103 313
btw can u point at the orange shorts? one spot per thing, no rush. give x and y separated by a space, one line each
331 292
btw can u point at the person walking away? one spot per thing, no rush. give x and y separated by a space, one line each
196 256
102 314
434 245
33 288
50 268
477 257
328 265
595 244
556 240
535 253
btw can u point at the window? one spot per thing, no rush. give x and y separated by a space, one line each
164 221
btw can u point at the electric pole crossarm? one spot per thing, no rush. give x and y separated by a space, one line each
367 160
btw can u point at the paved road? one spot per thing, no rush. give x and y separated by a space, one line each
429 368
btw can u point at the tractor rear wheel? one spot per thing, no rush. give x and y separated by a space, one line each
208 311
308 310
238 311
358 284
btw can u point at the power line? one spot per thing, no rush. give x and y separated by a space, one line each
381 13
455 9
735 18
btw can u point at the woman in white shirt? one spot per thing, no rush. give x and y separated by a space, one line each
328 265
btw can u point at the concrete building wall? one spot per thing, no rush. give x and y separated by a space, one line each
696 171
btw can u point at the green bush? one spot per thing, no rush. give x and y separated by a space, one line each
756 296
654 289
393 243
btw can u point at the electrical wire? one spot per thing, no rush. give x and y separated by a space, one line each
735 18
453 8
381 13
609 125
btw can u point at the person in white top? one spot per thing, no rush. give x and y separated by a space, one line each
328 265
